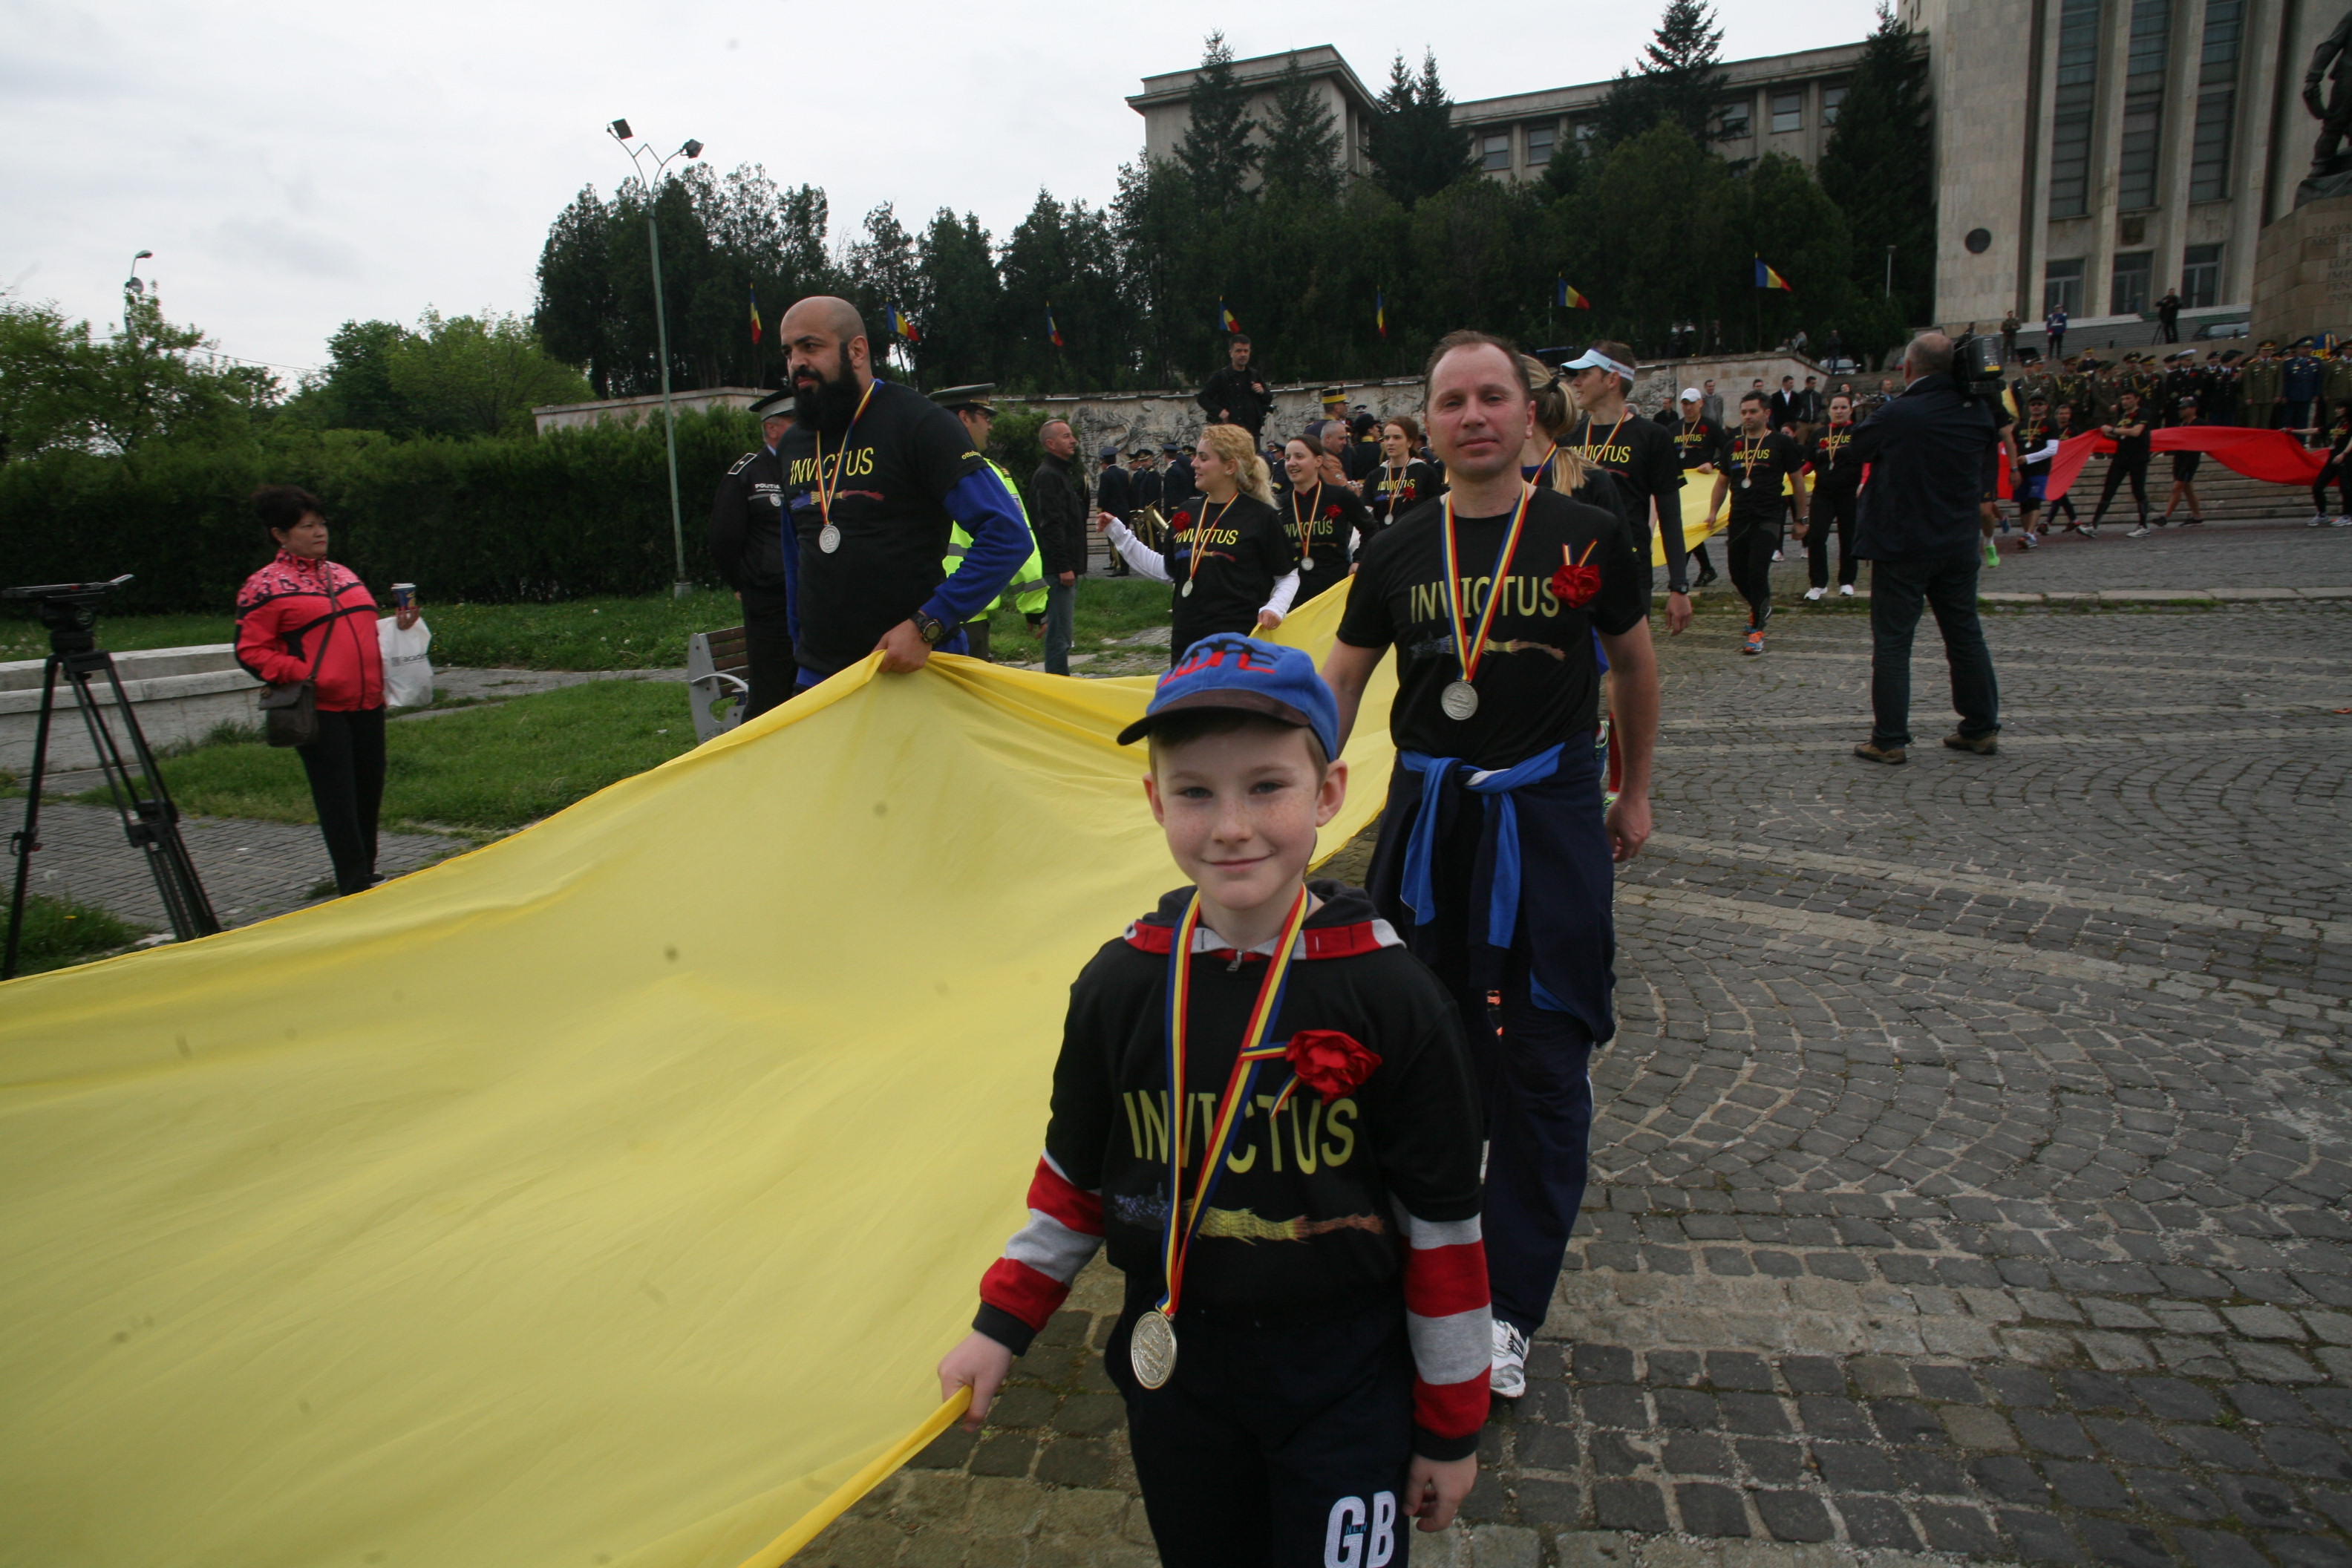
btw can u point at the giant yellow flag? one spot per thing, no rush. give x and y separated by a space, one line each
602 1196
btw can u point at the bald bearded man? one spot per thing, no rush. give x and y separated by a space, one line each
875 476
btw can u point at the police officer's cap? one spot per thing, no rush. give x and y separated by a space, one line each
775 405
956 399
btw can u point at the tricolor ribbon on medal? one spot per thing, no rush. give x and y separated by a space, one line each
1151 1344
828 537
1460 698
1199 527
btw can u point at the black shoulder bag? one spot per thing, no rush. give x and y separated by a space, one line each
290 709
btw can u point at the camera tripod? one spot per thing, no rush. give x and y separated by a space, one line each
148 818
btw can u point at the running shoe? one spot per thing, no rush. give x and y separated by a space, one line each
1755 643
2194 522
1992 555
2318 520
2341 522
2142 531
2090 531
1845 590
1815 594
1509 1374
1776 555
2028 542
1707 574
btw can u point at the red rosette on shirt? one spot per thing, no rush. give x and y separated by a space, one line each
1328 1062
1576 583
1331 512
1180 520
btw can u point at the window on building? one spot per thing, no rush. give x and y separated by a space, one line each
2062 287
1583 130
1495 149
2127 292
1833 100
1539 140
2217 100
2201 276
2070 117
1731 122
1787 112
2136 160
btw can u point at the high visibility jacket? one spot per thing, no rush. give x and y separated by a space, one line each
1027 588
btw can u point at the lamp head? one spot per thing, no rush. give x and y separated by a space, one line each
142 256
620 129
692 149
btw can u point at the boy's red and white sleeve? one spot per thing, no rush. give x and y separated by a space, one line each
1450 1321
1029 1283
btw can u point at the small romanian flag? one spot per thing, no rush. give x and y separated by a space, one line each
1380 313
1051 330
1767 279
755 317
1568 299
903 328
1225 322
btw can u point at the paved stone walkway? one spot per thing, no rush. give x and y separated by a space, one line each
1973 1164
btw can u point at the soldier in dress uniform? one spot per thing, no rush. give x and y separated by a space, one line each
747 545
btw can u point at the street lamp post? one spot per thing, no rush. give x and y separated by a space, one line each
132 285
619 132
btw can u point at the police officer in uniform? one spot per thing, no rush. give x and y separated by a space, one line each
975 405
747 545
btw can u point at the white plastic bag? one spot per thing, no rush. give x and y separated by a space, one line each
408 672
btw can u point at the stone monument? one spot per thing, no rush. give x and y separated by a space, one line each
2303 262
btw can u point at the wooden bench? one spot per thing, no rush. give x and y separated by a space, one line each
718 680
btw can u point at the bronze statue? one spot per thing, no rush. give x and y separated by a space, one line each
2331 169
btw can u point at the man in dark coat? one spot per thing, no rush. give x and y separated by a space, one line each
747 545
1057 515
1114 493
1917 526
1239 393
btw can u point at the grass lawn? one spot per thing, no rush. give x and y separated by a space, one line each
601 634
492 768
58 931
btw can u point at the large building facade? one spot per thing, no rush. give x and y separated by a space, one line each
2089 153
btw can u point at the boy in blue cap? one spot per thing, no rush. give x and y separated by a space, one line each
1305 1226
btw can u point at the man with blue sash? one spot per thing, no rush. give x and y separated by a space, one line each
1494 855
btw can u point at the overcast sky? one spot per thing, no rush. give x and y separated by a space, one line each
296 166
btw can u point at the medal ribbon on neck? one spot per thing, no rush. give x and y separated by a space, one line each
825 492
1199 527
1465 650
1584 447
1184 1221
1307 523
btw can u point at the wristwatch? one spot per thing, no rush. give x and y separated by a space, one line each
932 629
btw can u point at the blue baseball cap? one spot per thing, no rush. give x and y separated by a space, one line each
1245 675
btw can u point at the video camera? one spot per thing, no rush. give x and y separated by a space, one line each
1976 365
69 610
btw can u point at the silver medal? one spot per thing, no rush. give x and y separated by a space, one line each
1151 1349
1460 700
1306 563
1743 482
1187 589
828 537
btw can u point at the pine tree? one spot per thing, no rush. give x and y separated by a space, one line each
1217 150
1877 169
1415 148
1301 156
1679 78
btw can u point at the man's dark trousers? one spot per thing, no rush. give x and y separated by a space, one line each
767 649
1948 584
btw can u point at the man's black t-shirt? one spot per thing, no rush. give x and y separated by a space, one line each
1537 682
1756 465
1326 524
1641 456
901 460
1697 441
1245 550
1834 467
1390 492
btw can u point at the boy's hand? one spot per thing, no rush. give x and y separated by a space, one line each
983 1364
1433 1489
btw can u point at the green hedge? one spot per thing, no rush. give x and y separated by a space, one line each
536 518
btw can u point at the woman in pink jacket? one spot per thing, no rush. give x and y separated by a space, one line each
300 611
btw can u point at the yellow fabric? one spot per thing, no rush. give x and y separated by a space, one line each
606 1196
1699 489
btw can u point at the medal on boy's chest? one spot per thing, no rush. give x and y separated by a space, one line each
1459 700
1151 1342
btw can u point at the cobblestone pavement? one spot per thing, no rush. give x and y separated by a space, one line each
1972 1166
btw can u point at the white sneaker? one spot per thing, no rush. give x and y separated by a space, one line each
2341 522
2318 521
2090 531
1509 1375
1815 593
1846 589
1776 555
2142 531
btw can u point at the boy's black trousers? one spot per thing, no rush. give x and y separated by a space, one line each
1277 1444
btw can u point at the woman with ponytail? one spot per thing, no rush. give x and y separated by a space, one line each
1228 557
1404 479
1327 522
1543 460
